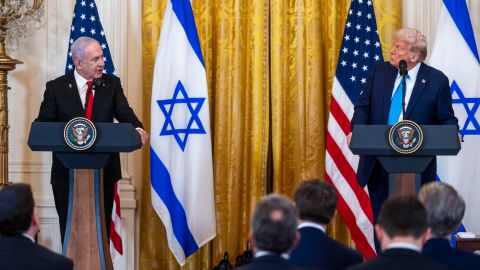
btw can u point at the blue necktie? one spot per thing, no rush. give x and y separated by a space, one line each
396 105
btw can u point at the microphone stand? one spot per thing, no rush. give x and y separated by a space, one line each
404 90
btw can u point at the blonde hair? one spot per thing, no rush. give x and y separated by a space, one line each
416 40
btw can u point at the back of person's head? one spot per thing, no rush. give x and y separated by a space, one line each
16 209
316 201
403 216
274 224
445 208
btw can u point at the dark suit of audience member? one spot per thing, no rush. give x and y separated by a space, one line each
269 262
316 202
273 233
445 210
65 98
18 227
402 230
427 100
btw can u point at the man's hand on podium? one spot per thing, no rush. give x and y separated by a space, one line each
349 138
143 135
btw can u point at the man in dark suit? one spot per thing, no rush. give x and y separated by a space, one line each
427 100
316 202
273 233
445 210
66 98
402 230
18 227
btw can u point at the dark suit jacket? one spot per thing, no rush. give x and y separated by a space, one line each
318 250
401 259
19 253
440 250
269 262
430 104
61 102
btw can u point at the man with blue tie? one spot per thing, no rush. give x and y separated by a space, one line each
427 102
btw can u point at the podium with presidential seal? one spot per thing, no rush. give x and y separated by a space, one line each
85 148
405 150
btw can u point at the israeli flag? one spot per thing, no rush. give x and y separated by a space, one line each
181 149
455 53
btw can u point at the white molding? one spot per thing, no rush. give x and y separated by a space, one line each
29 167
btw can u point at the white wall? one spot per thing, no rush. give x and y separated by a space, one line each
44 55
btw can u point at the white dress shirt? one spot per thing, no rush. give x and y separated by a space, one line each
412 73
405 246
312 225
82 87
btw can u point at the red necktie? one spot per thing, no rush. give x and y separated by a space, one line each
89 97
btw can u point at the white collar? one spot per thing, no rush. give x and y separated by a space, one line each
79 79
261 253
310 224
26 235
404 246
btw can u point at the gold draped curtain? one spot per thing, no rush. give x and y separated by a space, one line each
270 65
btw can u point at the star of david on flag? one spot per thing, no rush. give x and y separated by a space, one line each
181 166
194 105
455 53
86 23
468 110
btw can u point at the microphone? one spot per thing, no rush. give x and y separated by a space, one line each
96 84
403 67
403 72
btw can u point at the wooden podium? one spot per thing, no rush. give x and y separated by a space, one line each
404 169
86 240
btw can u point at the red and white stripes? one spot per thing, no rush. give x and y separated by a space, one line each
341 166
116 248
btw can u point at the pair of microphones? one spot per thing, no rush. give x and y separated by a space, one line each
96 83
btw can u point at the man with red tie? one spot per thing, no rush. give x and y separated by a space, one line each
90 93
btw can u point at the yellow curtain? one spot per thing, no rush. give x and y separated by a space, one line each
234 41
305 41
270 65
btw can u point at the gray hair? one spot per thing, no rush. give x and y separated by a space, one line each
274 224
79 45
417 41
445 207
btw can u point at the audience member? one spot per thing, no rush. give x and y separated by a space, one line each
401 230
273 233
19 225
316 202
445 209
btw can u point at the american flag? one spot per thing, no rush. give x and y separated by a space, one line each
86 22
359 51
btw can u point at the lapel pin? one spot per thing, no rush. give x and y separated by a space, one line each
70 85
423 81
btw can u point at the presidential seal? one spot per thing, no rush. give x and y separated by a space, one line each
80 133
405 137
